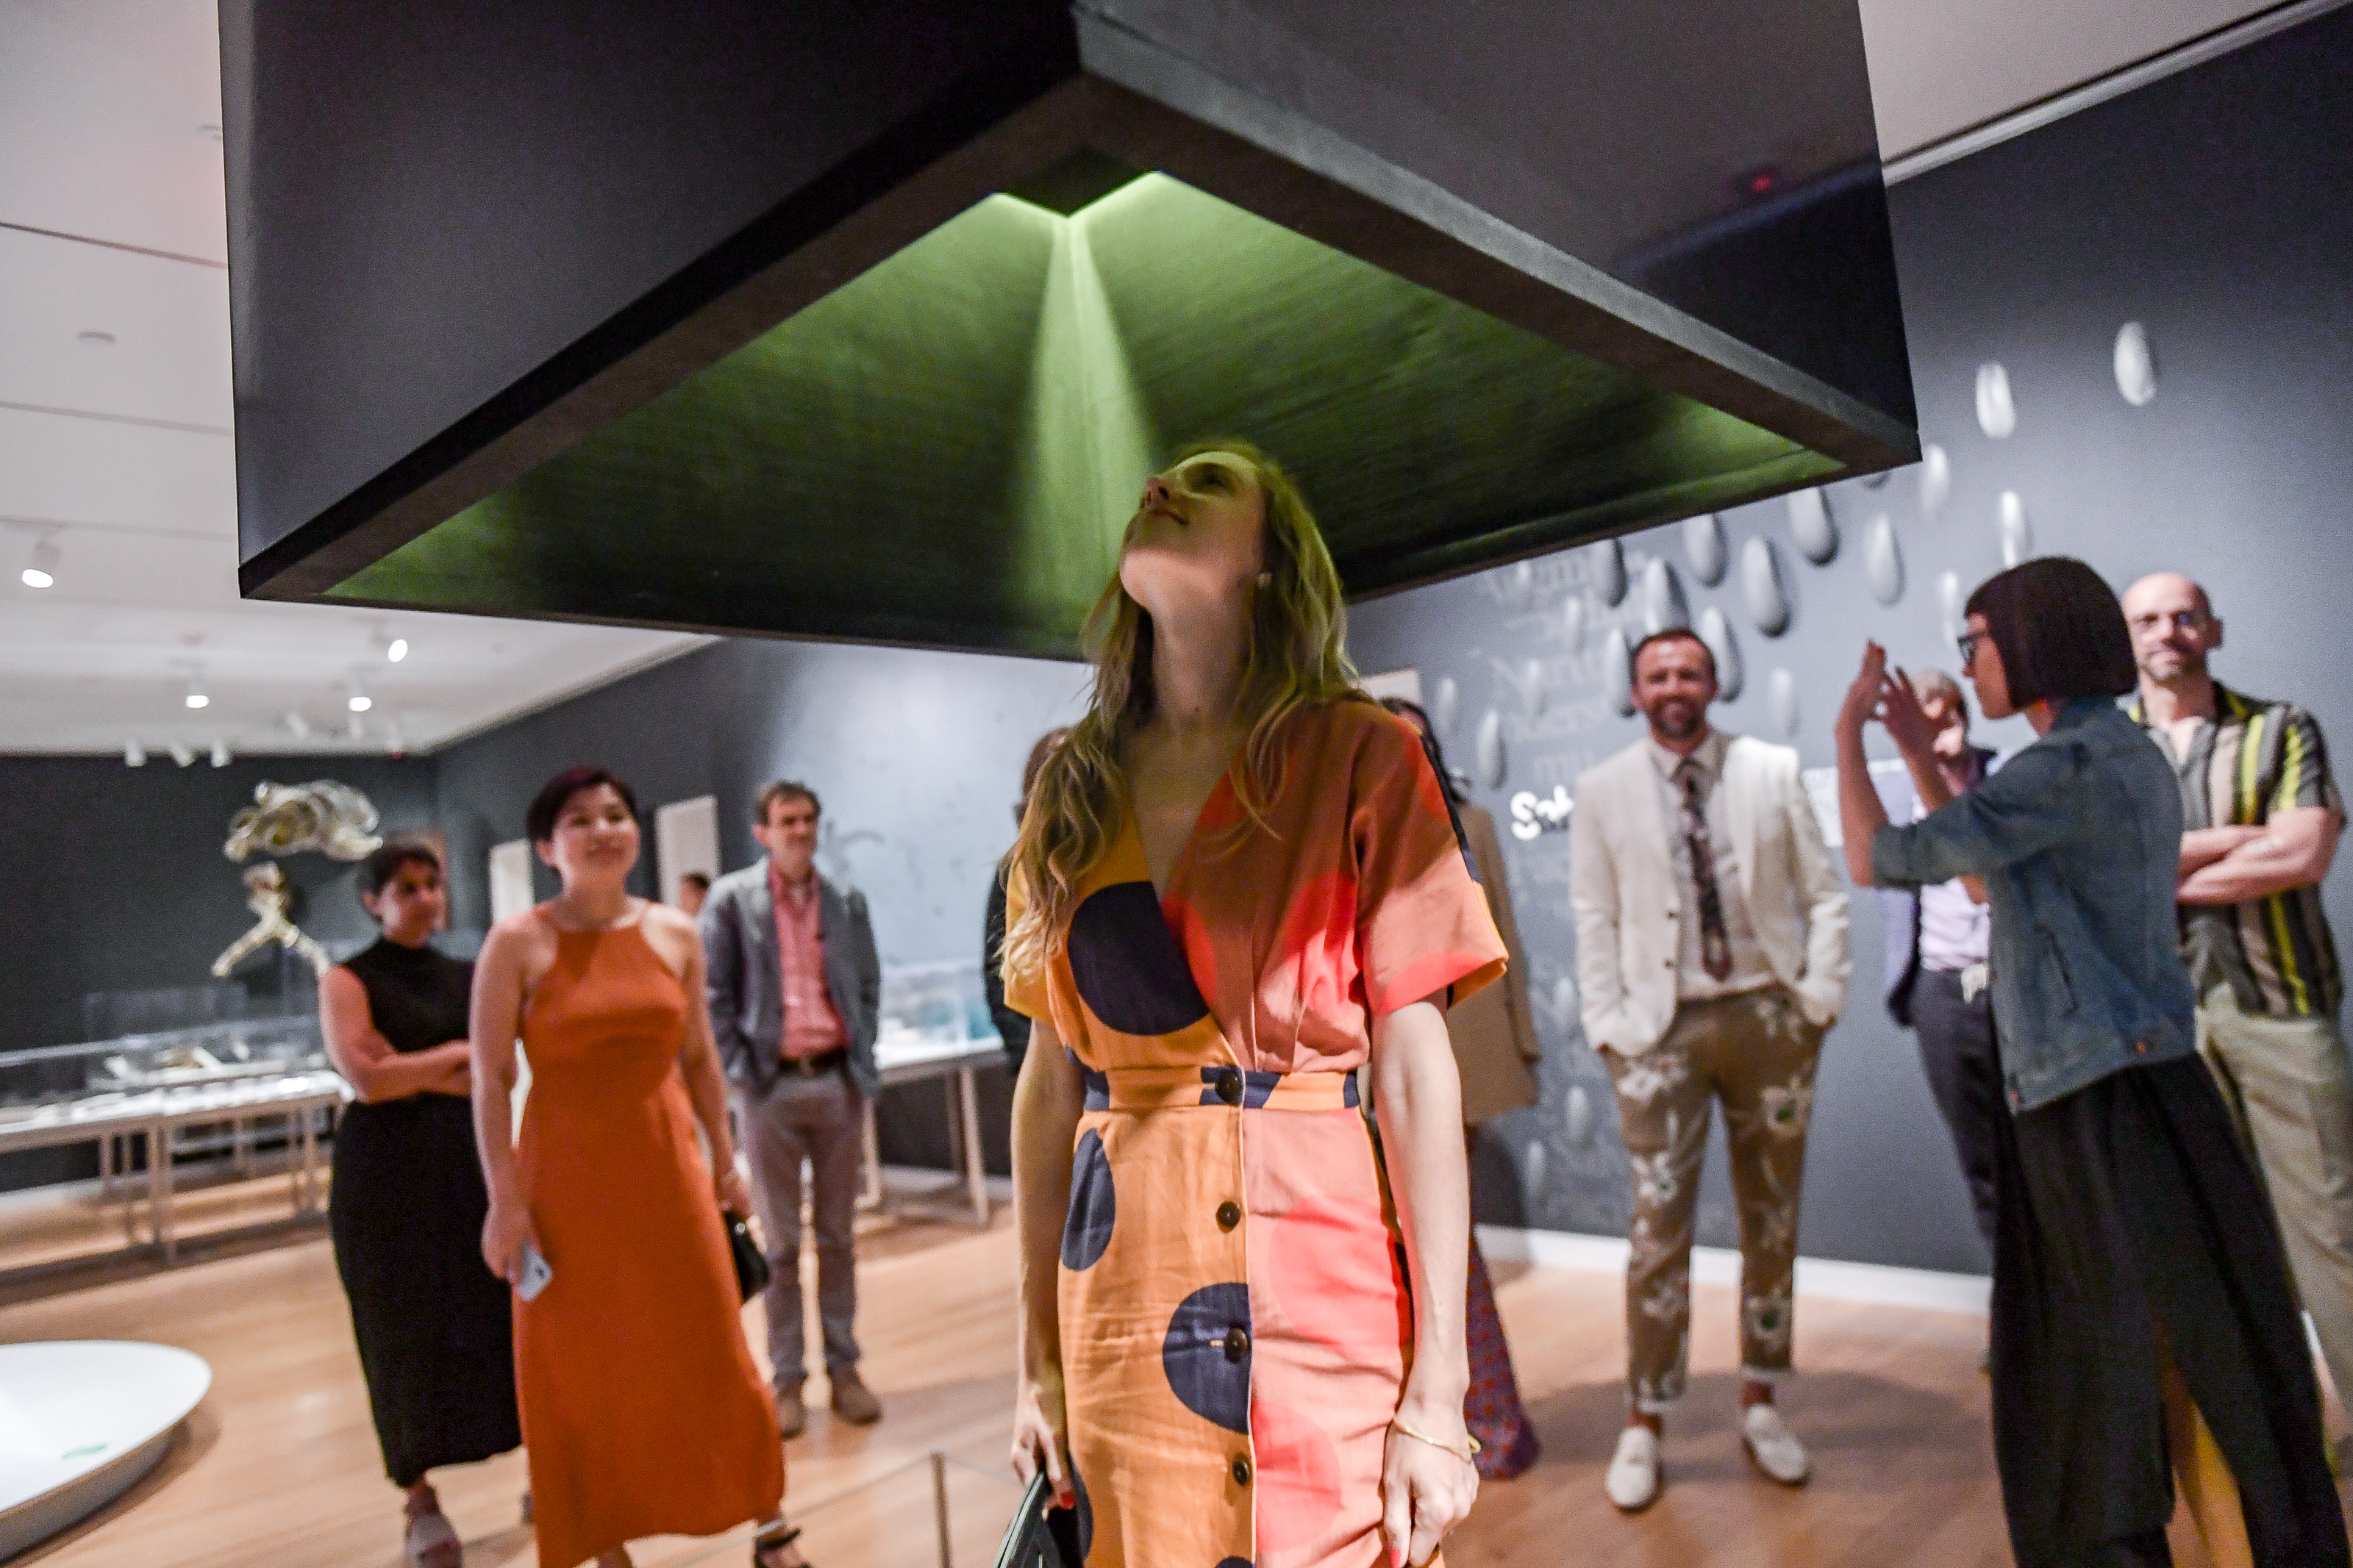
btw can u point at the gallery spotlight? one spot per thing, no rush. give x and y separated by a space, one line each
221 758
296 725
41 571
134 755
360 701
181 754
398 650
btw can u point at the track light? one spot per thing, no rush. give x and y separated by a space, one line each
181 754
134 755
221 758
398 650
358 728
296 725
41 572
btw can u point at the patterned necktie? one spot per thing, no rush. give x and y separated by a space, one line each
1715 946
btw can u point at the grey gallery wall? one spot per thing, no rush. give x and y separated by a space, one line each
2208 209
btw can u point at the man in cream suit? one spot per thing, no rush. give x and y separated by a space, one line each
1712 952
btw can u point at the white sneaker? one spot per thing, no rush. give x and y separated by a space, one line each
1632 1482
1773 1445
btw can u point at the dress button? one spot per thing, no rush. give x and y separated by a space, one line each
2141 1045
1230 1086
1240 1470
1237 1345
1230 1215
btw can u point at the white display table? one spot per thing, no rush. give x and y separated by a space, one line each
903 1059
82 1422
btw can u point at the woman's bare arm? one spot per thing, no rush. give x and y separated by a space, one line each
368 1062
497 1012
1047 1099
698 1062
1417 1098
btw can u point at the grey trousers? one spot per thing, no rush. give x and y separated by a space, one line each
1957 1053
2290 1090
820 1119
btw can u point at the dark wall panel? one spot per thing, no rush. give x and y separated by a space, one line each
2209 208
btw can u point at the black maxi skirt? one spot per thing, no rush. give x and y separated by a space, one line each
2131 1219
435 1327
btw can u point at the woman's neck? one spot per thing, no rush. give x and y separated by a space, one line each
2042 715
407 938
1197 667
593 907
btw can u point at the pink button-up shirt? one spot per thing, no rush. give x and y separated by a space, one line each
812 1027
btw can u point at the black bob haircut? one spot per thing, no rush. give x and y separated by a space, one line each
1672 634
2059 629
384 862
1405 708
557 792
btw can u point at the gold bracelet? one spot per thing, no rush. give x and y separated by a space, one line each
1443 1447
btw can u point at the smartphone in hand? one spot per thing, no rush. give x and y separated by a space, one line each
535 1273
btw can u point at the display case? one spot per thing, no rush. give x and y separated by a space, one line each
932 1010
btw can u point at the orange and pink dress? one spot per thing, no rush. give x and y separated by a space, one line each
1235 1319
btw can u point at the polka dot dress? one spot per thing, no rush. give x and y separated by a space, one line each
1235 1319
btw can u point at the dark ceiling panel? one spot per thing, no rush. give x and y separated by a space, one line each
775 360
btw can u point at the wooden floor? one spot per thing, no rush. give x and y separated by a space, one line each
279 1466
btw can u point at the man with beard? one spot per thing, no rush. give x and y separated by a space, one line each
2260 818
1711 952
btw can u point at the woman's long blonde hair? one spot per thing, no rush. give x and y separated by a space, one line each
1297 658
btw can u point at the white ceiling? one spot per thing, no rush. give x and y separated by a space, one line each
121 452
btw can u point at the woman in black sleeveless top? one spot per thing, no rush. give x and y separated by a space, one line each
434 1325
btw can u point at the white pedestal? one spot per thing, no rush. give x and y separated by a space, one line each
82 1422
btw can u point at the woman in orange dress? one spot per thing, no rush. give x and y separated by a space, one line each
1237 882
643 1412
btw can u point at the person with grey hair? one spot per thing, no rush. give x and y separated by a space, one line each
2260 817
795 1004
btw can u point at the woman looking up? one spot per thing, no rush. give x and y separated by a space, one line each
2140 1317
435 1333
642 1410
1236 882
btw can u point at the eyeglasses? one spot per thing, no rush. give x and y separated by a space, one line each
2178 621
1968 643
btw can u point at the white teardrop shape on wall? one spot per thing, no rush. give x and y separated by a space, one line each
1564 1002
1935 479
1716 633
1487 749
1883 559
1581 1116
1532 688
1664 604
1572 621
1948 605
1445 705
1519 583
1817 530
1760 588
1704 547
1617 670
2017 533
2136 364
1532 1178
1610 572
1997 414
1781 700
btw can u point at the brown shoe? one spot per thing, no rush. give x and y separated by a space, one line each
792 1415
852 1401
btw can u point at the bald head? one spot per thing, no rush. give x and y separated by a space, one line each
2174 629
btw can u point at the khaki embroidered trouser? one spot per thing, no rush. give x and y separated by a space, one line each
1756 1053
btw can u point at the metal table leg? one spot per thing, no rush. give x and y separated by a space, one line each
976 1168
310 1162
159 1188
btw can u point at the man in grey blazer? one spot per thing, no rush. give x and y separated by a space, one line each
795 990
1711 956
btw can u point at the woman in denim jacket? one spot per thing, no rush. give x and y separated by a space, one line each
2141 1304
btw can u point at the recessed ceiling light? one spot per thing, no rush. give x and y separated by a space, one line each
95 339
198 699
41 571
360 703
398 650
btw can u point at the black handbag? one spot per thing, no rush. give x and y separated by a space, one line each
751 1263
1041 1535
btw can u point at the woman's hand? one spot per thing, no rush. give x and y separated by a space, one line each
1863 699
504 1231
1042 1425
1426 1491
733 1186
1905 721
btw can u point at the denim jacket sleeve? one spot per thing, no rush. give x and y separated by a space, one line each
2037 801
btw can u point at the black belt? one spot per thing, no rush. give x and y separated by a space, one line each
823 1062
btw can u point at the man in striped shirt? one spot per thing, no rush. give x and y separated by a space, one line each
2261 816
